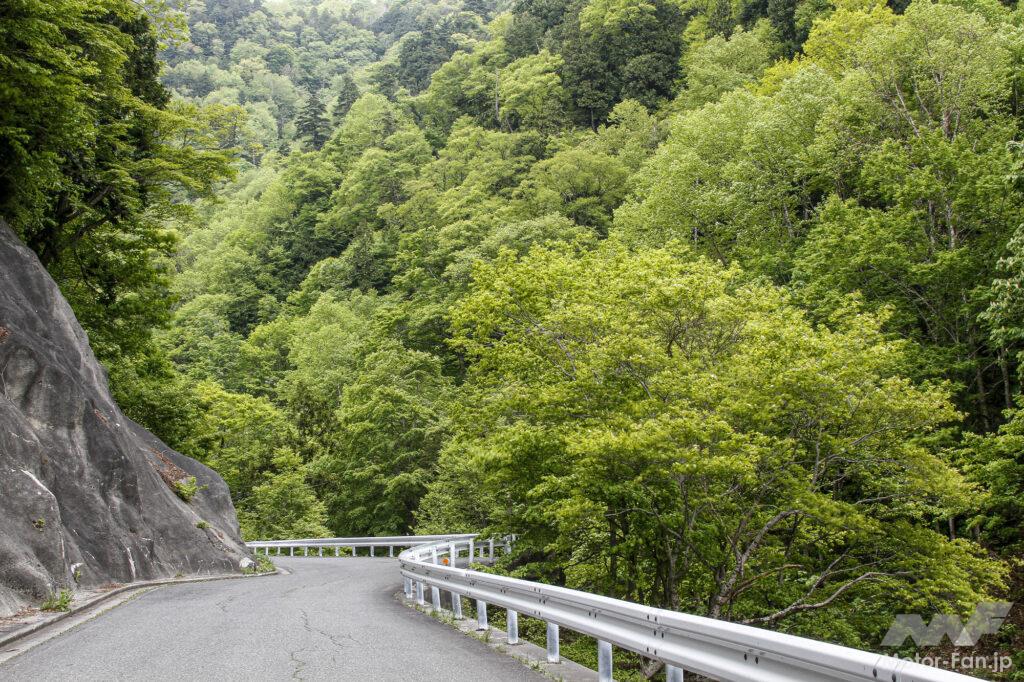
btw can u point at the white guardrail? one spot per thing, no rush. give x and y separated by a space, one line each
713 648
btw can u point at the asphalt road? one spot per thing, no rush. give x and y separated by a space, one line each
333 619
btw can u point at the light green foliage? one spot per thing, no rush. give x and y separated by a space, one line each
685 190
997 462
391 427
885 181
58 601
721 64
655 411
631 134
186 488
263 565
584 185
202 341
933 172
601 15
239 435
467 85
833 42
370 121
530 94
1005 313
283 506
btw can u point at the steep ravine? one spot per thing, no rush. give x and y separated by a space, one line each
86 495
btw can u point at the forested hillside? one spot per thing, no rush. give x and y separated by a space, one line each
717 305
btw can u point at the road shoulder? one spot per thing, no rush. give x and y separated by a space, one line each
527 653
20 633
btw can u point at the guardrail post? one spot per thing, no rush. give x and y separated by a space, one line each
291 551
457 605
320 551
604 661
453 554
337 551
553 654
508 546
371 550
490 549
419 594
481 615
391 551
407 587
512 620
435 598
673 674
471 550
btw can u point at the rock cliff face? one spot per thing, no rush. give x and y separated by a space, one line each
86 496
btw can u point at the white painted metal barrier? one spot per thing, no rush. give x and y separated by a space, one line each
716 649
288 547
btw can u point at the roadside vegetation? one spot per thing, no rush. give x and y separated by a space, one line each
58 601
263 565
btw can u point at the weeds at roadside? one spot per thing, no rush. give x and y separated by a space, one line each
57 601
263 565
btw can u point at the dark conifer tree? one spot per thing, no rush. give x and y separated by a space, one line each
311 125
346 98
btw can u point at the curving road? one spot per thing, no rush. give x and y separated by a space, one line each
329 619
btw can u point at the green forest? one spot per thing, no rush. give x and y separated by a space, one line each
717 305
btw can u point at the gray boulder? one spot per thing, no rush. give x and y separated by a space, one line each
86 495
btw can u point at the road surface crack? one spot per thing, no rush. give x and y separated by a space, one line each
298 663
335 639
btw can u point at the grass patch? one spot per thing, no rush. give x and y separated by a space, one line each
202 525
57 601
186 488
